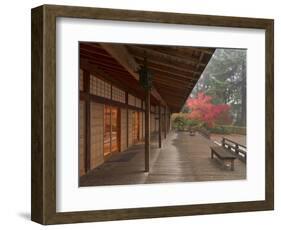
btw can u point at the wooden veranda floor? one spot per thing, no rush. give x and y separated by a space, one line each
182 158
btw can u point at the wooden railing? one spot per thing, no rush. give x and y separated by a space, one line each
240 151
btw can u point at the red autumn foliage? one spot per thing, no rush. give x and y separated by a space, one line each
202 109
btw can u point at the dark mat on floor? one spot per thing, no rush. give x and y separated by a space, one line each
123 158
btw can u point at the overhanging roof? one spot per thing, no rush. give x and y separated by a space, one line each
176 69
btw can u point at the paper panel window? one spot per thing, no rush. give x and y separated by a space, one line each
99 87
131 100
138 102
118 95
107 90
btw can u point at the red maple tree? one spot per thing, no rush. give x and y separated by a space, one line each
202 109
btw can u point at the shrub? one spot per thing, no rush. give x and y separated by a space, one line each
228 129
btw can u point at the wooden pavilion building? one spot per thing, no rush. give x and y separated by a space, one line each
115 111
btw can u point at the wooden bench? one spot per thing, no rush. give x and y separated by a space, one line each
223 155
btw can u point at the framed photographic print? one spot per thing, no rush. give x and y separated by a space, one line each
141 114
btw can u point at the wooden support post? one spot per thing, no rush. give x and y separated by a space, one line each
159 126
232 165
86 79
165 122
169 122
147 129
223 142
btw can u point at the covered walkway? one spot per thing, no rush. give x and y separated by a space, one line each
182 158
126 93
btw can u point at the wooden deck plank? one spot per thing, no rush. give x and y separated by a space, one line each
182 158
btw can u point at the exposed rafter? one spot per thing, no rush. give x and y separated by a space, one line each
121 54
171 52
187 50
157 54
190 69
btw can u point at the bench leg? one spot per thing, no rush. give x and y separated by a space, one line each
212 154
232 165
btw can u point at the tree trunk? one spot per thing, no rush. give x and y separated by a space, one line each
243 97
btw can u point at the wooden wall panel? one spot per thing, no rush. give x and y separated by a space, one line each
123 134
140 130
97 114
82 138
130 128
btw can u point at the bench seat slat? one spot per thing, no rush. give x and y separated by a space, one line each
222 153
242 151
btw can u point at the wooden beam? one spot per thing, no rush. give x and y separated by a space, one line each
122 55
103 61
147 130
154 65
173 105
171 94
183 49
176 98
163 63
170 86
184 75
173 81
188 92
93 49
93 56
153 54
171 52
175 102
111 68
200 60
175 76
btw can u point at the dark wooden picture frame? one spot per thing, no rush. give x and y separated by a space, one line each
43 207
